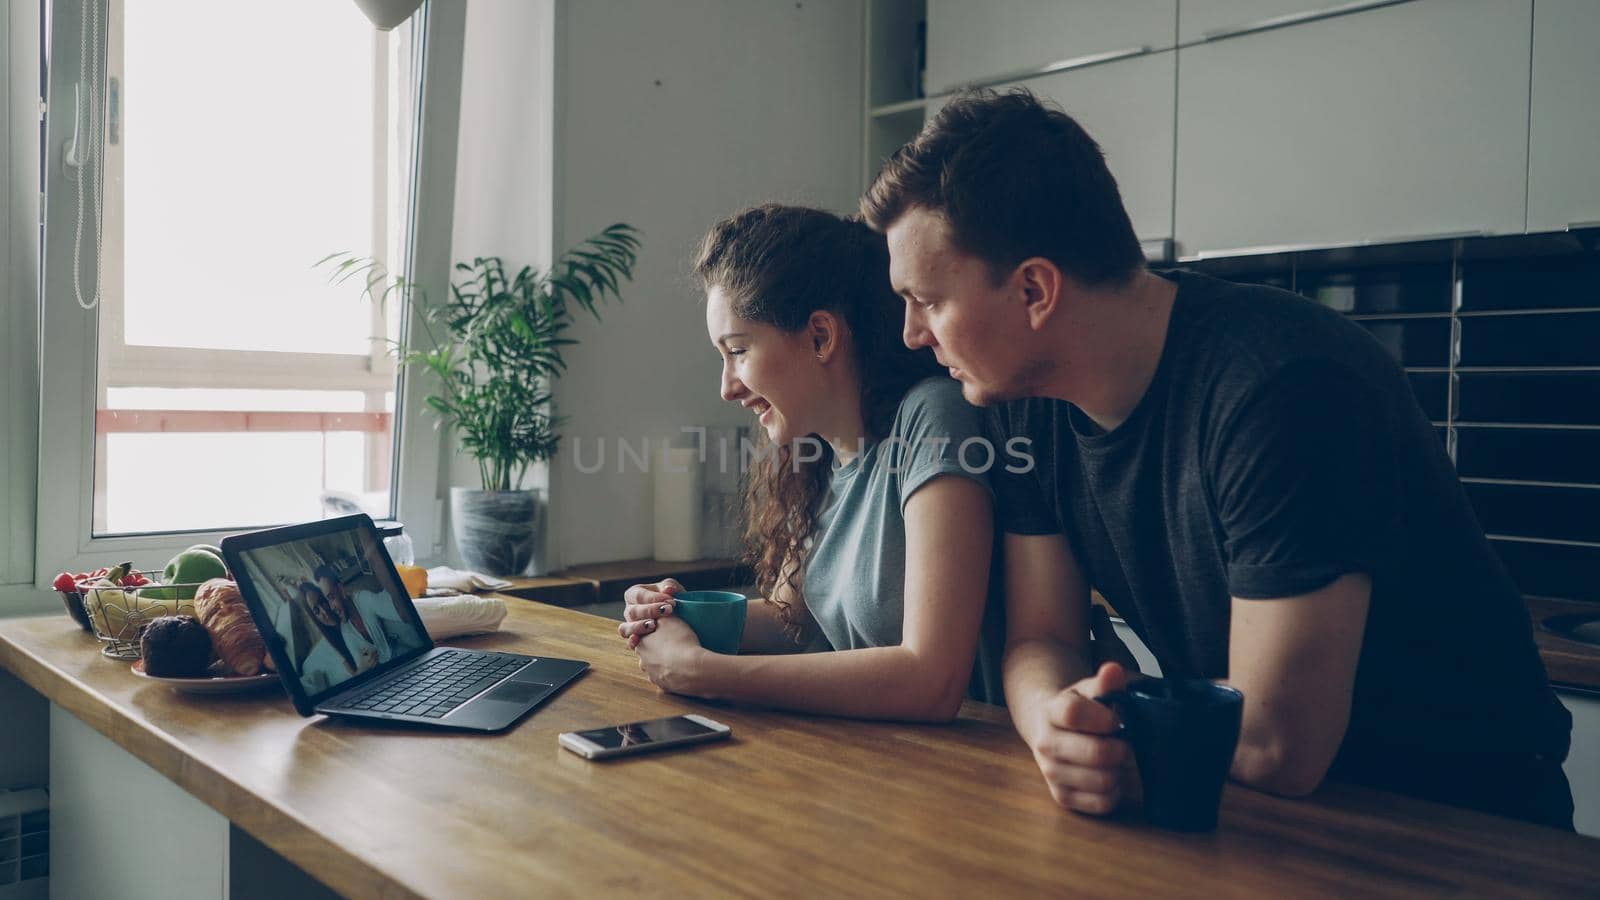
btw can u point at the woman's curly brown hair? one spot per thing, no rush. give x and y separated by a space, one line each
778 265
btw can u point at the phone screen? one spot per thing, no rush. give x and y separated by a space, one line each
654 731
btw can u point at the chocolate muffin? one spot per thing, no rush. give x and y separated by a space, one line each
175 647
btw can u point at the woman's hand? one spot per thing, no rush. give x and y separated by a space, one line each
645 603
670 656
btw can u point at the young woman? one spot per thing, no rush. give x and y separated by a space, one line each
865 526
331 660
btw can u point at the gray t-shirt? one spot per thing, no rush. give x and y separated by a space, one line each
856 573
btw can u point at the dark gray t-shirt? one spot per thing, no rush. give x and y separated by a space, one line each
856 572
1277 448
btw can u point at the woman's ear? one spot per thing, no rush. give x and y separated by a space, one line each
826 333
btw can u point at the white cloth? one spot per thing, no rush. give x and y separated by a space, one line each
452 579
457 614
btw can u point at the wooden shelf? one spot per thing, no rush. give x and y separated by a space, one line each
606 582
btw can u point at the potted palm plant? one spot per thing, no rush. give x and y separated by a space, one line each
494 351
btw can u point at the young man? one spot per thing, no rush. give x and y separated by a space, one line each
1243 474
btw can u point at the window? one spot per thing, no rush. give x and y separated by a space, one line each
221 383
225 360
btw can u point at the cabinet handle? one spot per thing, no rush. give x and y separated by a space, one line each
1076 62
1270 249
1227 31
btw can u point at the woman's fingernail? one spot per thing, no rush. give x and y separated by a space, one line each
665 609
649 626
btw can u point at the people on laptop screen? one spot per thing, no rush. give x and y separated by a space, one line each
331 626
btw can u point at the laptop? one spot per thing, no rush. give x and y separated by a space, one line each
347 640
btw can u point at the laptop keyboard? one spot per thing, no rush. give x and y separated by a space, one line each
434 689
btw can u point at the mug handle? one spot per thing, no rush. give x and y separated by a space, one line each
1113 701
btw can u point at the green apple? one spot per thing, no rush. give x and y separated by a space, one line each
192 568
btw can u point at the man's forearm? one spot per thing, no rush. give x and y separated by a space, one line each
1035 671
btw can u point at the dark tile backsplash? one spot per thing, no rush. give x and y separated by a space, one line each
1412 289
1542 283
1555 513
1433 306
1433 393
1553 570
1548 398
1526 454
1414 342
1568 339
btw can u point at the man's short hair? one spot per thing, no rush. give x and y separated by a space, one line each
325 571
1015 179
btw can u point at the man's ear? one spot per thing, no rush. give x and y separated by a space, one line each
1041 285
826 332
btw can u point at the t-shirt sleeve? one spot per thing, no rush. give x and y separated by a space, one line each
937 432
1022 505
1303 477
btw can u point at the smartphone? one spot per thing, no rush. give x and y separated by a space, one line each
642 737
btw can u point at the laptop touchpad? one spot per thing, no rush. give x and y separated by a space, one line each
519 691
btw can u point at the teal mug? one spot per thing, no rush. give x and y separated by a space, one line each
717 617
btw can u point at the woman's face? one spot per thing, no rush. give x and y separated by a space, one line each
773 374
321 608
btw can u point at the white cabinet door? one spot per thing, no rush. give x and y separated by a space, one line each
1564 147
975 42
1126 106
1202 19
1398 122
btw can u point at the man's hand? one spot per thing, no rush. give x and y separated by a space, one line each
1083 762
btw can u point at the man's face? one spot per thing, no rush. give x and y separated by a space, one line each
977 329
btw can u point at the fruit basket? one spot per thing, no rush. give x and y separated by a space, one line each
117 615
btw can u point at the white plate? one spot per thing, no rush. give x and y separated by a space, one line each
214 684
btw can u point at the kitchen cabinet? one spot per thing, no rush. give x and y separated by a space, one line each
1127 107
1564 143
986 42
1393 123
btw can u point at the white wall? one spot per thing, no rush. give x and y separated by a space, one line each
670 116
504 161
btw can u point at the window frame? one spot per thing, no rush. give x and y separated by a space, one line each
66 477
20 118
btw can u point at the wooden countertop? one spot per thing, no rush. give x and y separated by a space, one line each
792 806
606 582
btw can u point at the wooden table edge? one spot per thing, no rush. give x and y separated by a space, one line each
235 802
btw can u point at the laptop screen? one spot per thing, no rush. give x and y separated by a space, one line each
335 607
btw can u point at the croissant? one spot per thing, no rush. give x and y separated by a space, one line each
233 633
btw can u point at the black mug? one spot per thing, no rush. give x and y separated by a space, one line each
1183 732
